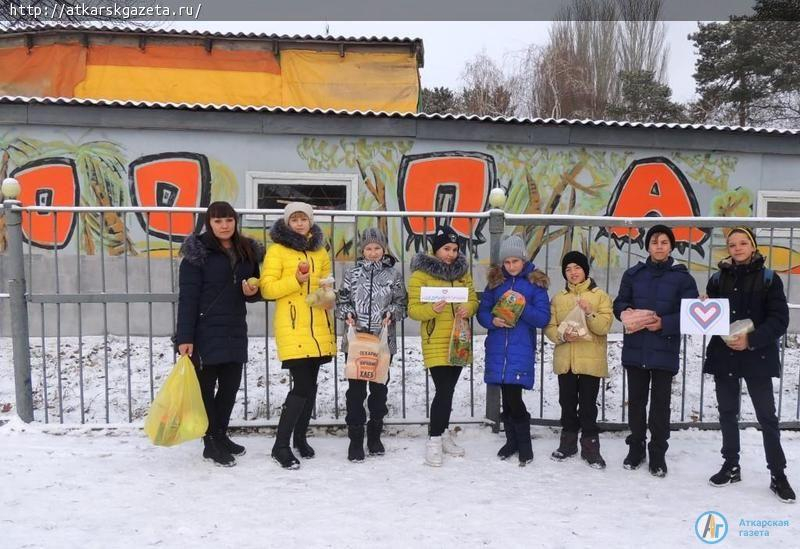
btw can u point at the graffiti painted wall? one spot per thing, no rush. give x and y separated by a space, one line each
72 166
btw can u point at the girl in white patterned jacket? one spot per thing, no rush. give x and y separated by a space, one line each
372 296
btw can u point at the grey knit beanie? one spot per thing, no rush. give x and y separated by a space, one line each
513 246
294 207
372 235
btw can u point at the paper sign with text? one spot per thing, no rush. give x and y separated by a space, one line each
709 317
432 294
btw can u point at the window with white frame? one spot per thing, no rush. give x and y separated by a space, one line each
324 191
778 204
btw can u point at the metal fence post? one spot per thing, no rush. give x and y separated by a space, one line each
18 302
496 227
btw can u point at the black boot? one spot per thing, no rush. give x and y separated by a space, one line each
636 454
522 431
355 452
374 444
779 485
658 465
567 446
281 452
213 451
590 452
510 447
730 473
301 430
232 448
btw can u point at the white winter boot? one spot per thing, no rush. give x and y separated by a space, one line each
449 445
433 452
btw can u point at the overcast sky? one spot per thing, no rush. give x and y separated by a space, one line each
450 44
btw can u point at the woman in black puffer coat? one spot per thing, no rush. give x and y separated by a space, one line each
754 292
212 326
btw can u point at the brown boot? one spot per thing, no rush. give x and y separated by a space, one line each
590 452
567 447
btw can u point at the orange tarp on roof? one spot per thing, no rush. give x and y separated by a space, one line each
189 73
44 71
357 80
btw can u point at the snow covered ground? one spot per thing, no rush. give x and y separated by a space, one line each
99 487
85 366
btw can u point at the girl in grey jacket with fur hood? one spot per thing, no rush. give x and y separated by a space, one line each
372 295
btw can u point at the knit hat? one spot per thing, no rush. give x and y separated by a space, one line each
513 246
578 259
659 229
294 207
443 236
748 232
372 235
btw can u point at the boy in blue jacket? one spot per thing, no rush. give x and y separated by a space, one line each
511 347
651 344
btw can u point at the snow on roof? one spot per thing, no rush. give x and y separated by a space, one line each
132 30
394 114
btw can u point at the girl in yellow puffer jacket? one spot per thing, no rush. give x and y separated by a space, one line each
447 267
293 268
579 363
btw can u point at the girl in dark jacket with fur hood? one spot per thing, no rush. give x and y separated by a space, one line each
756 293
212 326
511 348
372 295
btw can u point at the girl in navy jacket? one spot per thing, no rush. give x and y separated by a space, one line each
650 350
511 351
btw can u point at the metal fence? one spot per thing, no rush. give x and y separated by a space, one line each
98 324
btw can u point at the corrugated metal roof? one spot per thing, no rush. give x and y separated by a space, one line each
205 34
399 115
413 44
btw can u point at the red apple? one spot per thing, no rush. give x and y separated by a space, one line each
302 267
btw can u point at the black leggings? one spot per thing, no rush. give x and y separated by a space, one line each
577 394
376 402
219 406
760 389
444 379
304 376
513 406
658 385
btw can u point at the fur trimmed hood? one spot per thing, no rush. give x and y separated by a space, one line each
195 248
280 233
437 268
497 275
756 263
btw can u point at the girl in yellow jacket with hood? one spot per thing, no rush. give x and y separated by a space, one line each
293 268
446 267
579 363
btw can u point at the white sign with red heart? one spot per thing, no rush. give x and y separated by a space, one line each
433 294
709 317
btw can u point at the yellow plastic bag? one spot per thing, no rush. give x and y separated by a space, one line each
177 413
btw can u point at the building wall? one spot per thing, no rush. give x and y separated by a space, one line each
112 165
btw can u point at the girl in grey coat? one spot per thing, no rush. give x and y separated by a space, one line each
372 295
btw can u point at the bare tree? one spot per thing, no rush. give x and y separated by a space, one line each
487 90
642 38
591 43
